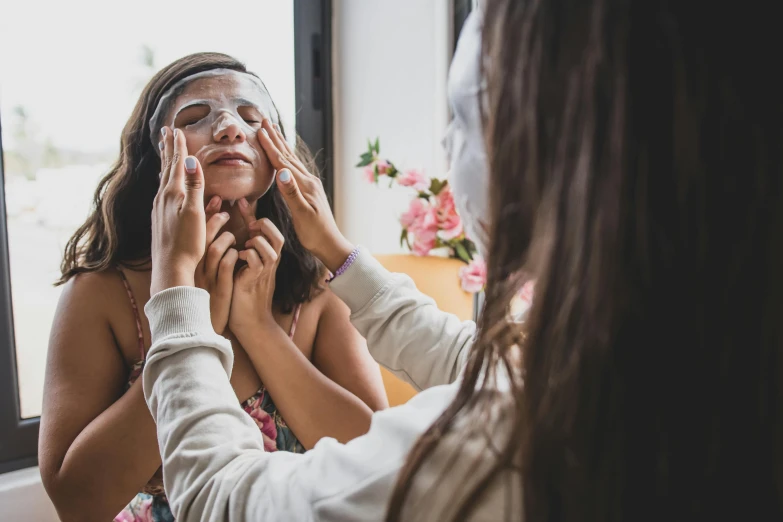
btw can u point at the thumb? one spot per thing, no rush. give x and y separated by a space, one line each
286 182
194 182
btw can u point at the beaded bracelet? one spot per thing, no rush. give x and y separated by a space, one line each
346 265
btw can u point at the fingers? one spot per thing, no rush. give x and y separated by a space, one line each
289 188
251 258
178 154
225 277
165 155
268 229
277 137
277 149
264 250
212 207
247 212
216 252
215 223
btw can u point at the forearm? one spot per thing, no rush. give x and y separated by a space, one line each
108 463
313 405
405 330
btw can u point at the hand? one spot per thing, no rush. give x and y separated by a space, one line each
304 193
254 284
215 272
178 222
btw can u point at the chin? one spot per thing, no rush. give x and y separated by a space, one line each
235 191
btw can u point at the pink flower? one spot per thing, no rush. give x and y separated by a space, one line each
414 178
267 426
423 241
369 173
383 167
448 220
474 276
414 213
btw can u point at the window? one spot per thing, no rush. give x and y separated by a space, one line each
68 83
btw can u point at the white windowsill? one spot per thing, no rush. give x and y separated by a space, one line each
22 497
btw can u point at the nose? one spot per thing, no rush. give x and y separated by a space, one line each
227 129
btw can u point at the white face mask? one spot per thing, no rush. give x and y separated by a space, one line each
464 141
218 110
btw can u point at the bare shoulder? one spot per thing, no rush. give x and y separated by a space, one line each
328 304
95 293
95 305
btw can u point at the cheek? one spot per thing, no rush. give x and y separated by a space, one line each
196 139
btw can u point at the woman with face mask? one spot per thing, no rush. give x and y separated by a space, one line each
632 166
301 371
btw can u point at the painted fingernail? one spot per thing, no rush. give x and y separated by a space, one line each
190 163
285 175
160 145
163 132
176 131
224 215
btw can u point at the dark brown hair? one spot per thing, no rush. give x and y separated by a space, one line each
118 231
636 167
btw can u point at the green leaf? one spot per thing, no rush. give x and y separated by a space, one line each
436 186
377 145
462 253
376 172
403 236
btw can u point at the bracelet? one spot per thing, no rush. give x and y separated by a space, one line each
346 265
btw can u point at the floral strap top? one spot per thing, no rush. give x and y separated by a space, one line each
276 434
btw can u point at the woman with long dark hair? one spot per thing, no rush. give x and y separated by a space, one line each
301 374
633 166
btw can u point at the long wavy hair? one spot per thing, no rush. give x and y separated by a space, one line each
636 165
118 230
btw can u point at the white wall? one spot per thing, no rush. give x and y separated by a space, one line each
390 65
22 497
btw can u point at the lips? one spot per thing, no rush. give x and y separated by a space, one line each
231 159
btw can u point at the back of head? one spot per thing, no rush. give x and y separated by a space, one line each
635 154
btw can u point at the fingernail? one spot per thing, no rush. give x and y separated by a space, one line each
163 132
243 203
176 131
224 215
285 175
160 145
190 162
265 132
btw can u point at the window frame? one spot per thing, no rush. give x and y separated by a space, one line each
313 83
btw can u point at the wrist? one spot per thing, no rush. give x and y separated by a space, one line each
165 278
335 253
250 333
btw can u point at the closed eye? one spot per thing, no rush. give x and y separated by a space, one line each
191 115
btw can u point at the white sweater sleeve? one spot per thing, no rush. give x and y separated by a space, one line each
215 467
405 331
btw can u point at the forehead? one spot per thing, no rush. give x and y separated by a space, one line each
224 90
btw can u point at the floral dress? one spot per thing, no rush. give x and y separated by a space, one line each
151 504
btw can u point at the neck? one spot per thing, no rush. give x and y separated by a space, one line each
236 223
